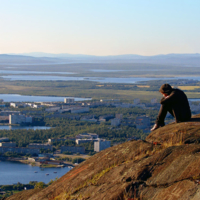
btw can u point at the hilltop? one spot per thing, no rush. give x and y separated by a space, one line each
163 167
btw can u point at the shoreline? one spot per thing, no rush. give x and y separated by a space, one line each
38 164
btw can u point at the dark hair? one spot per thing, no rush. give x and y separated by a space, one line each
166 89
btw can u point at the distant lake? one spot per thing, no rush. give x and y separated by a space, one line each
14 172
26 98
194 99
24 127
96 79
107 70
31 72
135 70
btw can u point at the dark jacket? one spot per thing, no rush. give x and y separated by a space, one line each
179 102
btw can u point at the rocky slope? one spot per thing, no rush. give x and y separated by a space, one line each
166 166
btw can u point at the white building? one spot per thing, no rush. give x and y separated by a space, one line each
68 100
8 112
4 139
37 106
106 100
86 137
115 122
40 146
88 120
15 105
93 136
80 141
64 110
52 109
80 109
101 145
67 107
29 119
7 144
18 119
46 103
33 105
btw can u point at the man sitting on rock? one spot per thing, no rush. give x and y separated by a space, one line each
175 102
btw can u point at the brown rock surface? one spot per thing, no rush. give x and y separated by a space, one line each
182 133
135 170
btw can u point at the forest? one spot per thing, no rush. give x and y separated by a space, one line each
66 128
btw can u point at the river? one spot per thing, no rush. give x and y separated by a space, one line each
96 79
27 98
24 127
31 72
14 172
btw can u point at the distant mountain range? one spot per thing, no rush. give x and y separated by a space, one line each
46 58
67 55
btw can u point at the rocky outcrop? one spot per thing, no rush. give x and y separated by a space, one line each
164 167
177 133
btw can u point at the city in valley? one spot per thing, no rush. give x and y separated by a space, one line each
55 121
53 150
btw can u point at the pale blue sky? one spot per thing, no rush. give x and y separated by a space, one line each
100 27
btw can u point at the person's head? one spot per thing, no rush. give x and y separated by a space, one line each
164 94
165 89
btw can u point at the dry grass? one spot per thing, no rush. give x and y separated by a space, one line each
73 156
188 87
143 86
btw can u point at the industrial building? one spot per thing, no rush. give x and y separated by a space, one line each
20 150
72 149
80 110
4 118
101 145
115 122
87 136
40 146
68 100
4 139
81 141
8 112
7 144
52 109
18 119
15 105
51 140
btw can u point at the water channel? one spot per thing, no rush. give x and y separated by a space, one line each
27 98
24 127
96 79
14 172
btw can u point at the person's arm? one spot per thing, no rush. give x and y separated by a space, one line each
169 99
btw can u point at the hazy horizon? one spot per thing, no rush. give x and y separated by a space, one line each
100 27
37 53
